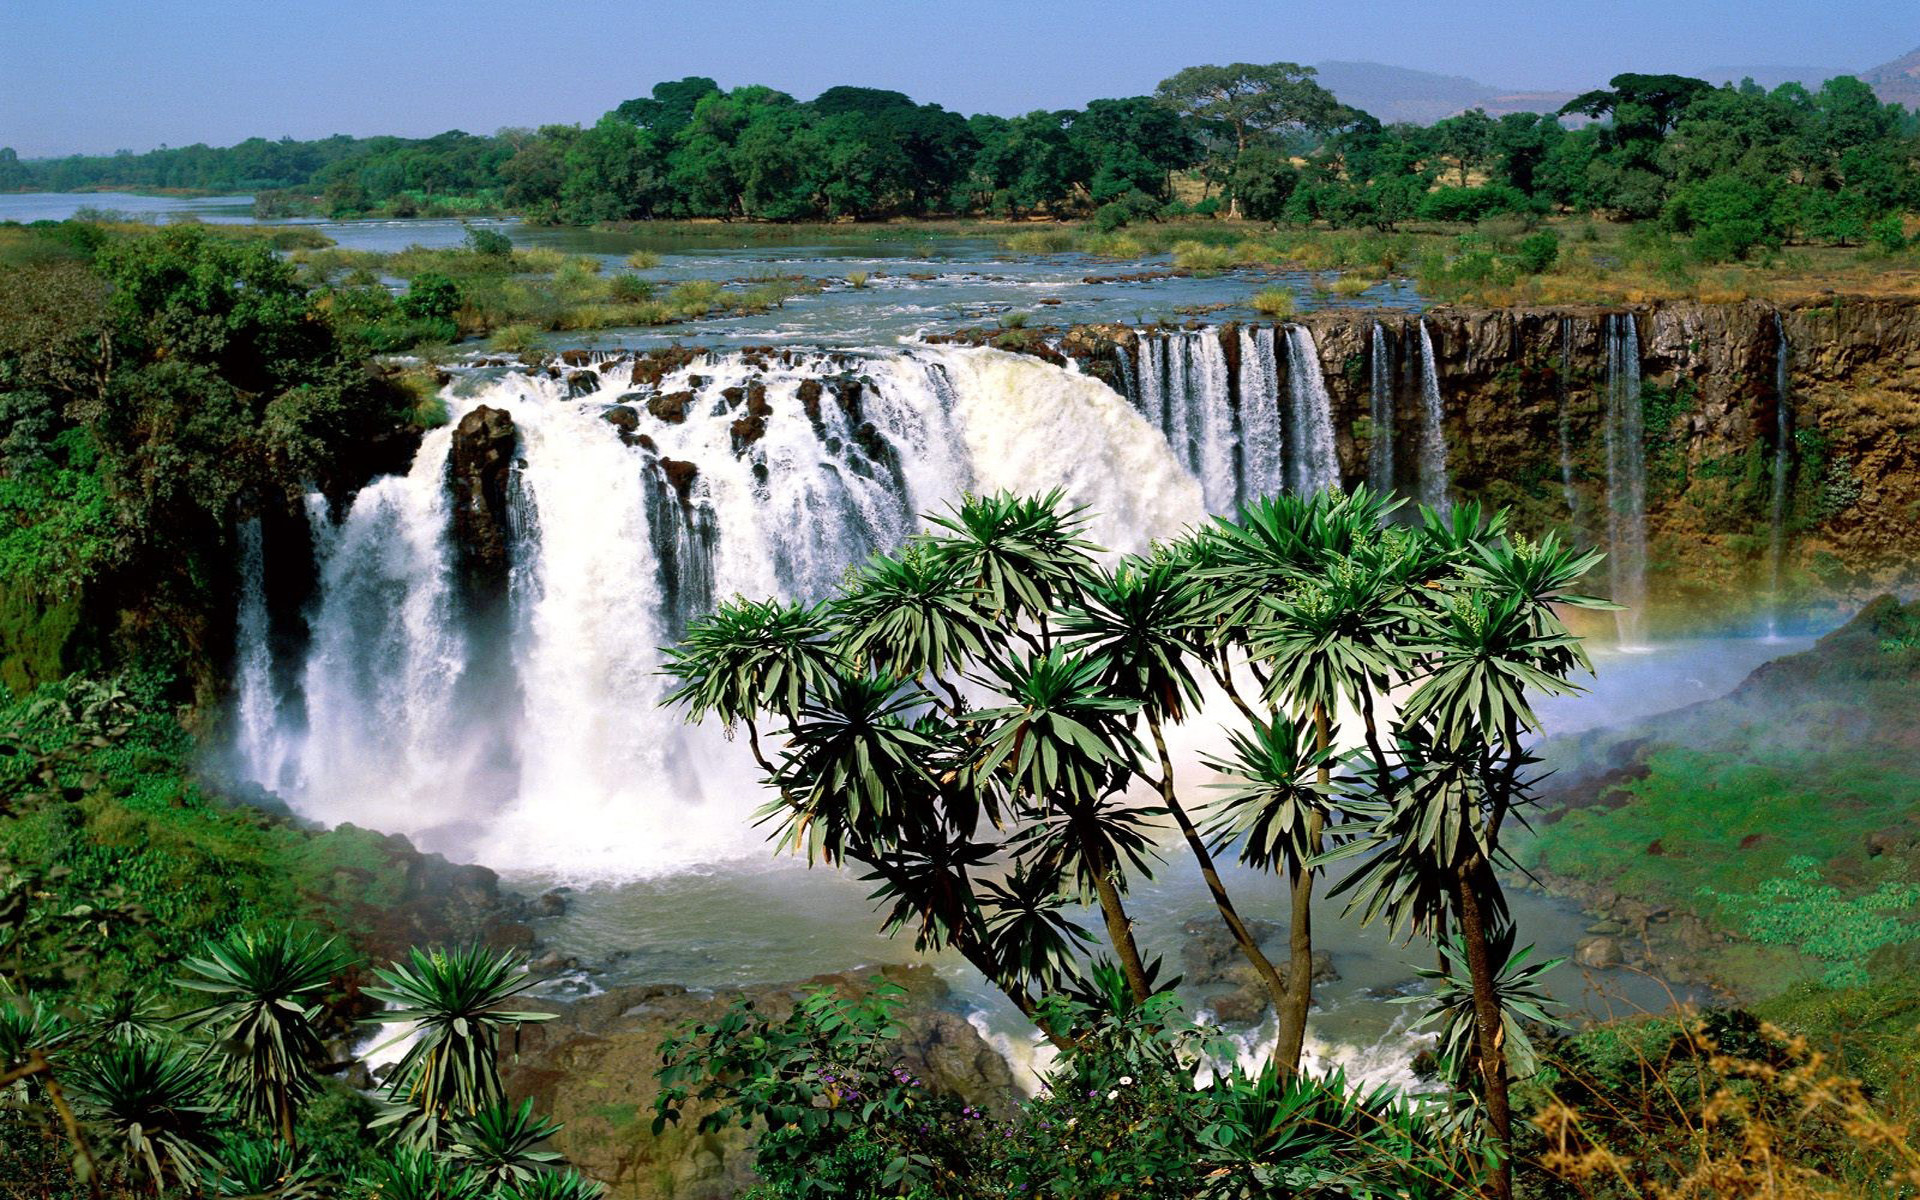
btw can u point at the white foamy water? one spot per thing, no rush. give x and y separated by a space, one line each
570 765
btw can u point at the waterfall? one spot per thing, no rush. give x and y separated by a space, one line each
1183 390
1626 478
543 745
1564 384
1315 461
1263 450
1380 397
1433 434
1782 466
384 738
259 745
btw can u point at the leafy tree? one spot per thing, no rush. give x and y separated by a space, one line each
1243 102
668 108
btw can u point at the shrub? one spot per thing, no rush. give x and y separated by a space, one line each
629 288
1539 252
490 243
1888 234
643 260
1472 203
1272 302
1134 206
431 296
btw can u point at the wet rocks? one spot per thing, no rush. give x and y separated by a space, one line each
479 464
1211 960
670 407
680 475
582 383
1598 953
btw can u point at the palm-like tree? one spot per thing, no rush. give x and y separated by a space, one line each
748 658
1486 646
263 1170
913 617
416 1173
454 999
1023 555
553 1185
151 1103
1062 745
1140 623
262 1017
501 1144
1517 992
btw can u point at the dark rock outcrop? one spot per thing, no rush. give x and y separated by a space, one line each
477 472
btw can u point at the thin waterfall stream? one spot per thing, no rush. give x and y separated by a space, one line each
1434 491
1782 468
1626 479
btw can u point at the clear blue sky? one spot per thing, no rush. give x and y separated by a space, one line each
99 75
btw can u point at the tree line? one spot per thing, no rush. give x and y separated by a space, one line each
1262 141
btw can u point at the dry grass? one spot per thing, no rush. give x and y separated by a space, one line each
1773 1121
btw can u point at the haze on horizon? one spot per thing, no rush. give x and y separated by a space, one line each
96 76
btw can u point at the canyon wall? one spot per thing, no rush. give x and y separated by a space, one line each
1516 384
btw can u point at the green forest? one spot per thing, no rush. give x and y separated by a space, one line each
1264 141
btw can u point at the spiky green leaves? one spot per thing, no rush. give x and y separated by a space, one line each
751 657
1272 794
152 1103
1139 623
1024 554
455 1000
502 1144
262 1017
1518 992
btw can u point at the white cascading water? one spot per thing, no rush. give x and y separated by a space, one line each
1782 467
384 739
1434 487
1626 478
1263 445
1252 439
571 766
1315 461
1564 382
257 740
1380 409
1184 392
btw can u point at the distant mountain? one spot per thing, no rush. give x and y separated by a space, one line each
1897 82
1403 94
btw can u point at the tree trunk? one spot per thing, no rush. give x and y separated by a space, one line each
1120 932
1229 915
1293 1018
1486 1020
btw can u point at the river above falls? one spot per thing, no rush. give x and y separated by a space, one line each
915 279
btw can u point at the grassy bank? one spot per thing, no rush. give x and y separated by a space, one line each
1781 819
1504 261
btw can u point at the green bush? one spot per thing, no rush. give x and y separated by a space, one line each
1538 252
490 243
